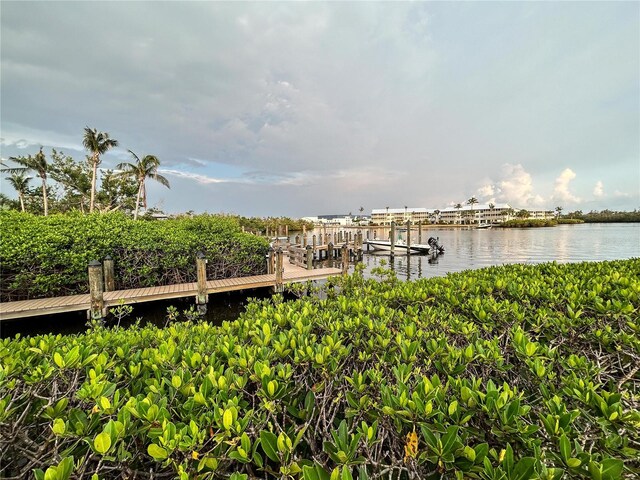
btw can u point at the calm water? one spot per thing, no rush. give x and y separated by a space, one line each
465 249
471 249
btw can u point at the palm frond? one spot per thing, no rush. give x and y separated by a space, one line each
161 179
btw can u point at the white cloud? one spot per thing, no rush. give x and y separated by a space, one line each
598 190
486 191
561 190
516 187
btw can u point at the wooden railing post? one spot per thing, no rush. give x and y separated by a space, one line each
408 237
392 237
201 272
309 257
109 274
270 260
96 289
279 270
345 258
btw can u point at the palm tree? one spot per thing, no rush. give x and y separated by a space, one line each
458 206
471 202
20 182
144 168
558 211
97 143
38 164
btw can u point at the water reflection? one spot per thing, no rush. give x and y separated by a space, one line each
470 249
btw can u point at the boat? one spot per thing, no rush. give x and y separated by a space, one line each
483 226
400 247
431 247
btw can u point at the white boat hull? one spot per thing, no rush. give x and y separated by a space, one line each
400 248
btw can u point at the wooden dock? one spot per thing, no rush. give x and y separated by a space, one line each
74 303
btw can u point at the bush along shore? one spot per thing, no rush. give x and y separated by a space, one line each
512 372
48 256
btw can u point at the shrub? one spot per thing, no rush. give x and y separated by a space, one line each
528 223
511 372
48 256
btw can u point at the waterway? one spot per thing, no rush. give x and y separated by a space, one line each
465 249
472 248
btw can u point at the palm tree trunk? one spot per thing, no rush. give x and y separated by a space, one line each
21 198
135 214
45 200
93 184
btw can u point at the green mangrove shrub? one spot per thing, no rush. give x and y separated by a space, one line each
514 372
48 256
528 223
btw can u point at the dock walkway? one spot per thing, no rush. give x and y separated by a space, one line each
73 303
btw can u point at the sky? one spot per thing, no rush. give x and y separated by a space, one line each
312 108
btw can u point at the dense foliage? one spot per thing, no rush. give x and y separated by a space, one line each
569 221
48 256
528 223
605 216
511 372
272 224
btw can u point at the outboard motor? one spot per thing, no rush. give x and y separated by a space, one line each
435 246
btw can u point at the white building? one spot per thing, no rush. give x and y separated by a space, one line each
384 216
478 214
481 214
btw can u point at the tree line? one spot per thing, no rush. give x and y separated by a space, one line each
76 183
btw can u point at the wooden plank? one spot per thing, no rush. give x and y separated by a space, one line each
27 308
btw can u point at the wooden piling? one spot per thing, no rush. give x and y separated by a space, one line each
109 274
408 237
201 273
279 271
330 253
345 259
420 232
96 290
392 237
314 243
309 254
270 260
297 240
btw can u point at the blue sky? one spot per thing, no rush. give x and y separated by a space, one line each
311 108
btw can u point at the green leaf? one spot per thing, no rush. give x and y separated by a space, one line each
102 443
574 462
565 447
269 444
612 468
524 469
157 452
59 427
227 419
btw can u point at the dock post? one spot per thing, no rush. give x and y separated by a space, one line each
109 276
345 259
304 240
420 231
286 231
270 260
201 272
314 243
392 237
279 271
309 254
297 239
408 237
96 290
330 253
